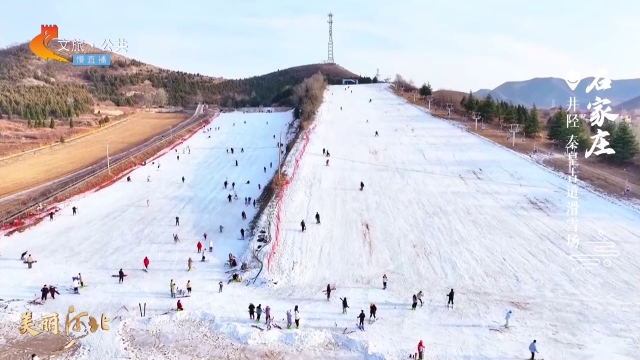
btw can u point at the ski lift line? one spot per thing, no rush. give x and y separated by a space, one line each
451 176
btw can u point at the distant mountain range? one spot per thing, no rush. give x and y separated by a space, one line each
548 92
629 105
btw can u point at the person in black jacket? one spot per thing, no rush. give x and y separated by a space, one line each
450 295
303 225
45 293
415 302
328 291
120 276
361 317
252 309
317 218
361 185
372 310
344 305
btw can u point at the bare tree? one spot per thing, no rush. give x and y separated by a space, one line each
160 97
147 99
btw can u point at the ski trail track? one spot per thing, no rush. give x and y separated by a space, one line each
446 210
115 229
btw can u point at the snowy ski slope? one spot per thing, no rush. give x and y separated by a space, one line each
441 209
445 209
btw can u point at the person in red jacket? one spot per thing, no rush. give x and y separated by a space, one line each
199 246
146 263
179 306
420 350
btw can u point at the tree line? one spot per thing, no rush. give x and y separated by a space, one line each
504 113
621 137
38 103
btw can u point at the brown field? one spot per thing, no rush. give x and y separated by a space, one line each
30 170
608 178
16 137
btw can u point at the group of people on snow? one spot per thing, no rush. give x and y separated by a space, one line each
256 312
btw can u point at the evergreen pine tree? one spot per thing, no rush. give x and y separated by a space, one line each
532 122
624 142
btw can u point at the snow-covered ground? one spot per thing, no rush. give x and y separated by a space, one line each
441 209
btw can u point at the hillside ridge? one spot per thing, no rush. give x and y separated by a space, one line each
129 82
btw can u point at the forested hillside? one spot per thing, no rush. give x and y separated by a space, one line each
34 89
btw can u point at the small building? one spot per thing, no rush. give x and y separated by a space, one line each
349 81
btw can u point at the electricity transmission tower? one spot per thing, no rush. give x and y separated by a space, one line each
330 50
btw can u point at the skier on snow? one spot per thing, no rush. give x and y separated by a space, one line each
30 261
53 291
507 317
361 185
199 246
303 225
415 302
242 233
384 282
244 215
420 294
251 311
120 276
258 312
372 310
328 291
146 263
179 306
267 313
317 218
450 295
296 316
177 221
289 322
45 293
172 285
420 350
220 287
76 285
210 245
344 305
361 317
190 264
534 349
189 287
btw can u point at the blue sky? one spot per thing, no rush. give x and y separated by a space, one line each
458 45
